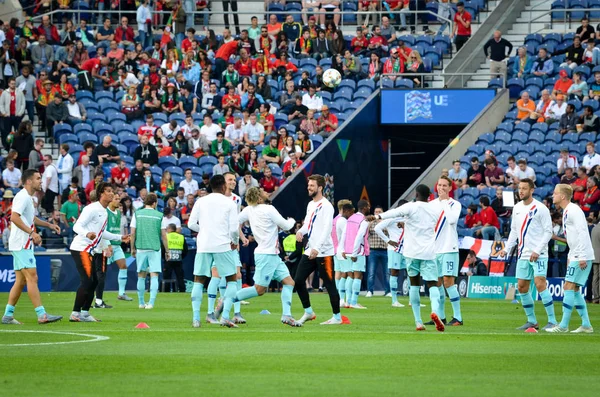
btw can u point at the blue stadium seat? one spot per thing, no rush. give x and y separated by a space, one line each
542 127
104 94
525 127
486 138
593 103
366 83
570 137
68 138
160 118
503 136
587 137
578 5
187 161
537 136
495 83
404 83
535 81
584 70
81 94
87 137
534 38
558 12
207 160
115 138
167 161
515 86
520 136
347 83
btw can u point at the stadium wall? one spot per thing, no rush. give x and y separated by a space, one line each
485 121
11 9
354 160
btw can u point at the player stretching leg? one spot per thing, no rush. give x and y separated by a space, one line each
215 218
118 257
265 222
356 248
419 219
339 225
530 231
20 244
319 251
146 235
90 229
395 241
581 255
446 248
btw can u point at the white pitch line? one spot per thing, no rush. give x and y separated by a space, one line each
94 338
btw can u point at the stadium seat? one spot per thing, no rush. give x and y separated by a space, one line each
495 83
87 137
503 136
68 138
515 86
187 161
537 136
166 162
207 160
525 127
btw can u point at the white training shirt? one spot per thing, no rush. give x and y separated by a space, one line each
419 224
167 221
22 205
577 234
93 219
52 173
446 236
531 229
340 228
265 222
395 233
358 248
237 200
317 225
189 187
215 218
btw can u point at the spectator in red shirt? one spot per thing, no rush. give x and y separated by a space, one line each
186 44
231 100
494 176
462 26
285 64
378 44
186 210
124 33
293 164
262 64
49 30
489 221
268 183
327 123
90 70
472 218
147 129
222 56
244 64
120 174
591 199
360 43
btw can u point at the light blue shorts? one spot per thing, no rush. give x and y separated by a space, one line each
427 268
576 275
237 256
337 265
345 265
360 265
225 262
118 254
447 264
269 267
527 270
149 261
23 259
396 261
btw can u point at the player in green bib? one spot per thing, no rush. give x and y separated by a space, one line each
146 235
118 256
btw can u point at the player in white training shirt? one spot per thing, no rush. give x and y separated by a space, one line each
581 255
530 232
419 219
339 224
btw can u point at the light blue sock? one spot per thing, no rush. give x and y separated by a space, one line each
548 305
211 291
527 302
442 309
349 282
394 288
153 289
356 290
338 316
581 307
10 311
196 300
222 286
40 311
237 306
230 292
122 280
342 287
415 301
308 310
455 301
246 293
434 297
286 299
568 303
141 289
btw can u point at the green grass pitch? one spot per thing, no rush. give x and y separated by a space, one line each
380 353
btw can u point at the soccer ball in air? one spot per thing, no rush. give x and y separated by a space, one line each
332 78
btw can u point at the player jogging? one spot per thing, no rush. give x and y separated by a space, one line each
581 255
265 220
319 251
446 249
20 244
90 229
419 219
146 236
355 240
215 218
530 231
339 224
395 242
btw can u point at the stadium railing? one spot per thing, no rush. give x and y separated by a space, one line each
567 19
425 77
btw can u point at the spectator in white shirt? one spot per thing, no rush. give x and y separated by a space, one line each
11 176
49 184
246 183
312 100
170 130
254 132
523 172
220 168
555 110
189 184
188 127
65 167
511 169
565 161
234 133
458 174
170 219
209 130
77 112
591 158
127 79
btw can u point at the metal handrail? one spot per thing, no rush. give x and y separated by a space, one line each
565 11
538 5
442 75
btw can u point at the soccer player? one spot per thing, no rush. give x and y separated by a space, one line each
90 229
356 248
339 225
215 218
20 244
319 251
114 226
581 255
419 219
265 220
345 263
530 231
146 236
218 282
395 241
446 249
